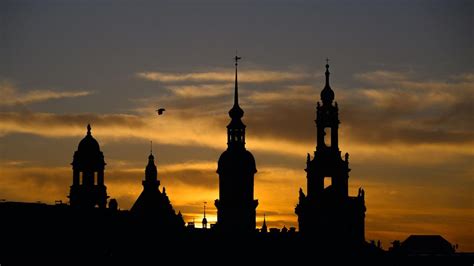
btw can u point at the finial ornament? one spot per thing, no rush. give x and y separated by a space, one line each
89 129
327 72
327 94
236 92
237 58
151 157
236 111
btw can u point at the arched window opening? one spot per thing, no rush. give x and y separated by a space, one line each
327 137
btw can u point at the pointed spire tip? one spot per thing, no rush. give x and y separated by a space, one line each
236 92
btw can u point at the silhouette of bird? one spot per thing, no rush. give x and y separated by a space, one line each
160 111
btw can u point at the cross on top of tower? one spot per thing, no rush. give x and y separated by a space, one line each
237 58
236 111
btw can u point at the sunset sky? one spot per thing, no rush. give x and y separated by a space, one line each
402 72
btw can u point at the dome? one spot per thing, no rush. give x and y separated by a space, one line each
236 112
88 154
327 94
236 160
88 144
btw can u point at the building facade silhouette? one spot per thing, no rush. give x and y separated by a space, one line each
328 213
88 189
236 206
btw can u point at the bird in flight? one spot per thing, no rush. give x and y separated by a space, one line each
160 111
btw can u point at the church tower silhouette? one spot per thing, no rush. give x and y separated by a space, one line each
236 206
328 212
154 205
88 189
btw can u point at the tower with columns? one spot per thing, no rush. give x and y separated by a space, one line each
88 189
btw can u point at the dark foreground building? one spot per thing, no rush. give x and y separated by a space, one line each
423 245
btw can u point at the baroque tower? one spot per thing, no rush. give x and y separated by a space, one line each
327 212
236 206
88 189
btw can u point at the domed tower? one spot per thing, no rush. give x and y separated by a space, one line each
88 189
236 206
327 212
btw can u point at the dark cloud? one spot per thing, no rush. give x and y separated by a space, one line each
372 125
409 115
459 115
280 120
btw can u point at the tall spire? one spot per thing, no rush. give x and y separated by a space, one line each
236 128
236 90
264 225
327 72
236 112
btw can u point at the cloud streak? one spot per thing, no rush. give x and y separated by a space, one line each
11 96
225 76
200 91
404 116
67 125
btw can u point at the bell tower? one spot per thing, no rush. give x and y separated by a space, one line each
88 189
335 171
327 211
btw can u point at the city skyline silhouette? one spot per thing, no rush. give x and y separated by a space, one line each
329 219
405 109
